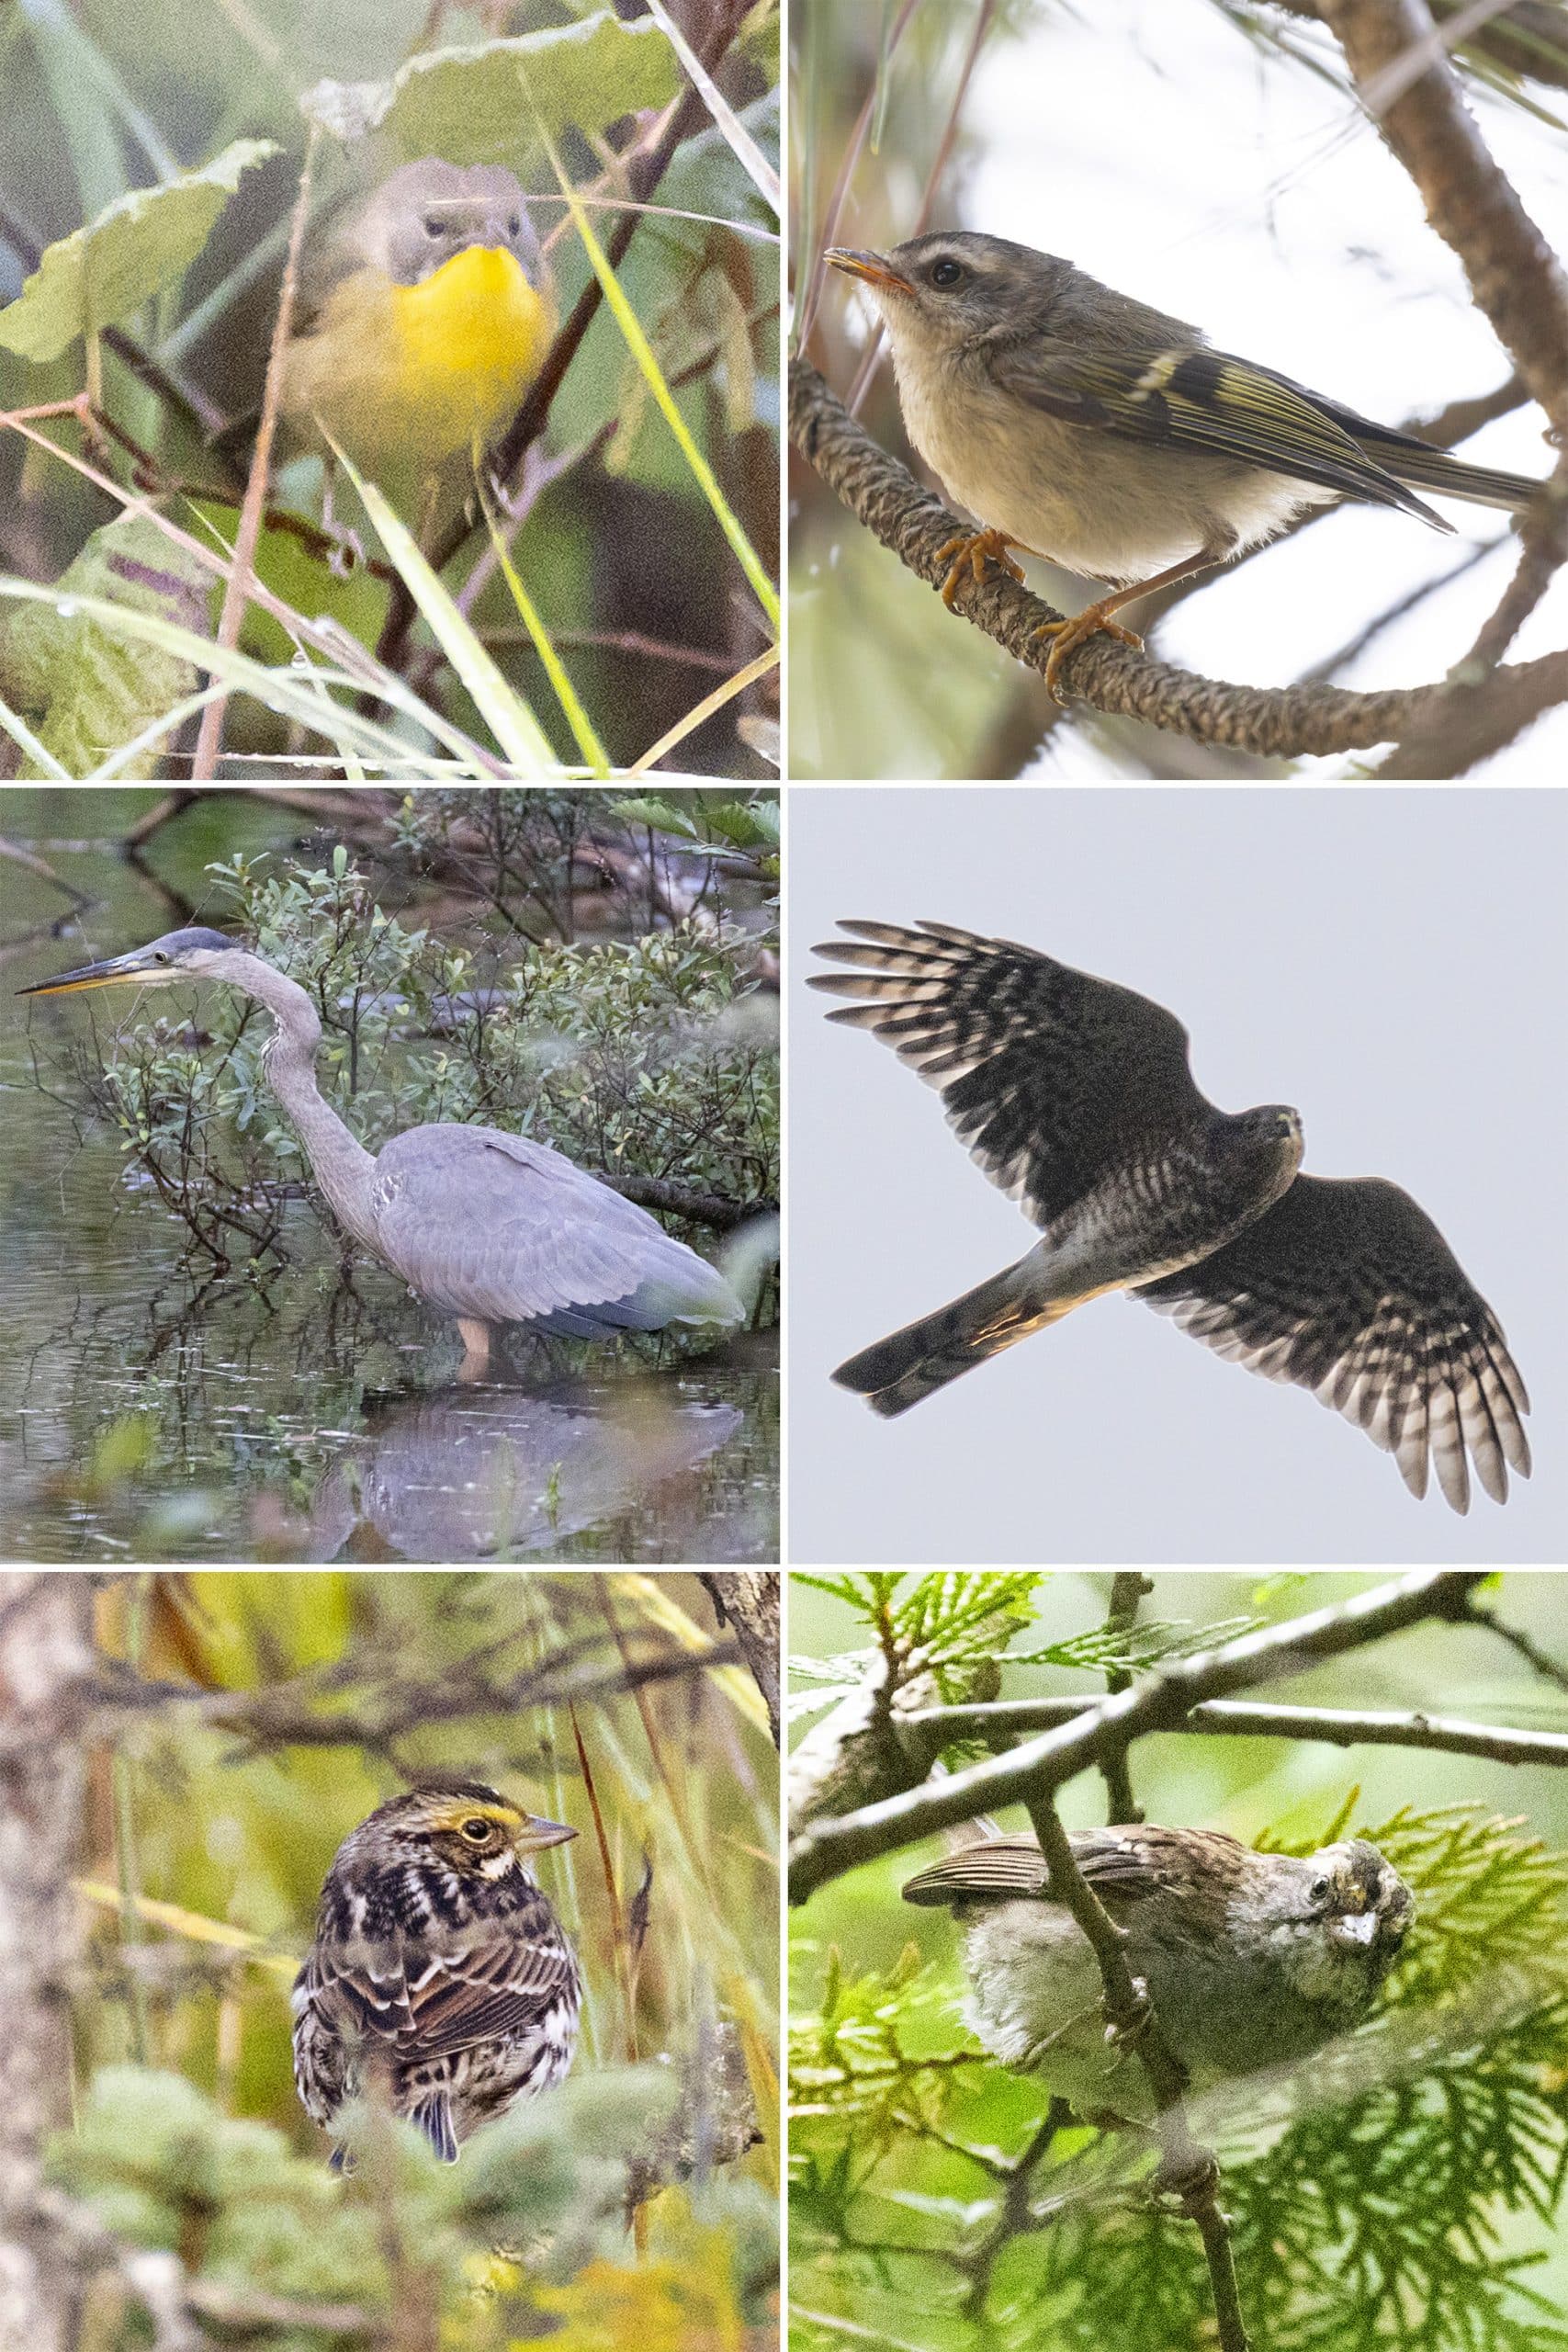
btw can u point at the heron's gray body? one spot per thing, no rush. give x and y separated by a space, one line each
494 1227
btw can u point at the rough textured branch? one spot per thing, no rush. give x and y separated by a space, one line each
1525 37
45 1656
826 1848
747 1599
1285 722
1127 1589
1007 1720
1514 275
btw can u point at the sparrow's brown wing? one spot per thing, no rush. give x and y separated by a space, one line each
366 1991
502 1983
1054 1080
1349 1289
1121 1865
1001 1869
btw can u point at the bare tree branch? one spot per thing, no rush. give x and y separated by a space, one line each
1515 278
1285 722
1004 1721
1127 1589
1527 37
823 1849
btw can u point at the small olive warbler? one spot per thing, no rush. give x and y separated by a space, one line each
1250 1960
1078 424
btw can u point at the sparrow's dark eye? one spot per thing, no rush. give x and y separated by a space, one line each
434 225
946 272
1319 1889
159 956
477 1832
514 226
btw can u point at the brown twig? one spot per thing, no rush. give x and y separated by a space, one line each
1127 1589
824 1850
1187 2170
1288 722
236 588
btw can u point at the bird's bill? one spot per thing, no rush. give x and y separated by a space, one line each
875 268
537 1834
113 972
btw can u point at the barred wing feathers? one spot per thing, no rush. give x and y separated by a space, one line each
1054 1080
1349 1289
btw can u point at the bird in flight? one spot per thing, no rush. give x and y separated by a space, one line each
1075 1097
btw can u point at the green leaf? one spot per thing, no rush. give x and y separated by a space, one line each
136 245
464 104
95 686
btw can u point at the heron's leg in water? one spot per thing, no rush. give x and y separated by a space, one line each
476 1348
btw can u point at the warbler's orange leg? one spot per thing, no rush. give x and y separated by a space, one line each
1093 621
971 552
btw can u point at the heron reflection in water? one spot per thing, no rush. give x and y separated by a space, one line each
495 1228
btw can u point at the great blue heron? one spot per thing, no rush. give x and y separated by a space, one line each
494 1227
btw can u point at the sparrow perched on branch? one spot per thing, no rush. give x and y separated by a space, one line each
1250 1960
440 1983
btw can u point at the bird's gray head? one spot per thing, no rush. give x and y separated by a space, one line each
1269 1141
199 950
1336 1920
429 212
939 292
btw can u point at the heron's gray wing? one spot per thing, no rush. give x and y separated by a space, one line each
1349 1289
505 1230
1052 1078
1195 398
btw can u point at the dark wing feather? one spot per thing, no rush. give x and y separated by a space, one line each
1349 1289
999 1867
1054 1080
1191 397
498 1986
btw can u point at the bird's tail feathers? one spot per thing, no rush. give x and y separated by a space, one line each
897 1372
1450 478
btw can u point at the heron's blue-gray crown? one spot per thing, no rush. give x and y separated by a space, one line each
160 957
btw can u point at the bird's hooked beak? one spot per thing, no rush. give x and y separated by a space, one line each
537 1834
875 268
113 972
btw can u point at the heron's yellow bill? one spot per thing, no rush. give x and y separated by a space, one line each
431 311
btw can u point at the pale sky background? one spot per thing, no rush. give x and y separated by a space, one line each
1170 157
1392 962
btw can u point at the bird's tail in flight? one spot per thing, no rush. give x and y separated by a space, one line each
912 1364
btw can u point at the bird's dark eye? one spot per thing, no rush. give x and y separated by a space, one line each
946 272
159 956
1319 1889
434 225
477 1832
515 227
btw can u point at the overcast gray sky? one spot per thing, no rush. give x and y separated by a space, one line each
1392 962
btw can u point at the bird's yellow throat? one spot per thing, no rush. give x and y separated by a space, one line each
404 376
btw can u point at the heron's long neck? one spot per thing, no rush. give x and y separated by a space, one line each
339 1163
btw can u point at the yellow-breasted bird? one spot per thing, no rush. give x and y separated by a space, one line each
425 313
440 1983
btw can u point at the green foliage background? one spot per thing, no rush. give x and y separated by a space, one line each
188 2133
1408 2193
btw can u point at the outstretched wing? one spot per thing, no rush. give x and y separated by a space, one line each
1054 1080
1349 1289
504 1228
